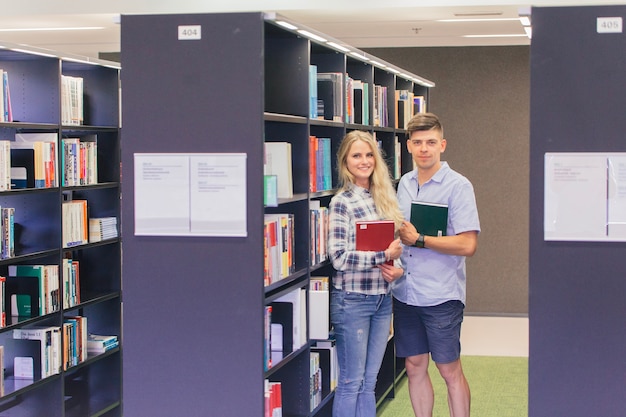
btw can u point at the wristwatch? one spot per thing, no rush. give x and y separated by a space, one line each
419 243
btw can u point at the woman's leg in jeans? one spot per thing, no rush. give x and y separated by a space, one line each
380 324
352 315
350 319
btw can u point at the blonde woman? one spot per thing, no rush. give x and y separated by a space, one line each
360 299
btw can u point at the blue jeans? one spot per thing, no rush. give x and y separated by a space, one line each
361 323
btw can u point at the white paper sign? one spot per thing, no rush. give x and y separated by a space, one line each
190 194
585 196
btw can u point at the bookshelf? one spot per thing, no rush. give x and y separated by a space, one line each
82 280
194 306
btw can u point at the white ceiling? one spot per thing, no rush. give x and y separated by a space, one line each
360 23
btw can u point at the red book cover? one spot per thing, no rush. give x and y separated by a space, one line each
375 235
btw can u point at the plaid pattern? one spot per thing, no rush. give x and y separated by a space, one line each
356 270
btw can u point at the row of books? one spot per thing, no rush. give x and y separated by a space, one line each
319 232
315 380
273 399
33 290
7 232
102 228
407 104
79 161
31 161
43 351
279 247
6 112
285 326
72 103
320 169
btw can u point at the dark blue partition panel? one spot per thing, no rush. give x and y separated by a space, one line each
193 306
577 289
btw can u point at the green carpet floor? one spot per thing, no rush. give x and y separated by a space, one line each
499 388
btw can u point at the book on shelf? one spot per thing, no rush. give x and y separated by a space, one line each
328 363
6 111
278 162
75 230
330 87
279 250
320 170
313 91
5 165
270 190
102 228
315 380
404 107
75 337
71 282
50 346
101 343
3 304
273 399
349 99
267 337
379 110
430 219
72 103
319 231
47 277
79 161
360 99
7 226
419 104
44 157
319 308
374 235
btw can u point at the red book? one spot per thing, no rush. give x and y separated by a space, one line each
374 235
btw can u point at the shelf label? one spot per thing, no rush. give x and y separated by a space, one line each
189 32
609 25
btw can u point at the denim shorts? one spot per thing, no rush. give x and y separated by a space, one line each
435 330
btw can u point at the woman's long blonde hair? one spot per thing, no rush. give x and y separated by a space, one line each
381 188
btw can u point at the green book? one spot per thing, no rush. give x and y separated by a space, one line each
430 219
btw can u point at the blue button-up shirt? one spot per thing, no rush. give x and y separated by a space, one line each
431 278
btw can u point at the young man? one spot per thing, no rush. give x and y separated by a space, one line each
429 299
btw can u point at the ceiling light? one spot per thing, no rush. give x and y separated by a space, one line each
503 35
50 29
482 19
337 46
311 35
286 25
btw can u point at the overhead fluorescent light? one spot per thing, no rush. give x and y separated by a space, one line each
503 35
311 35
480 19
359 55
50 29
529 31
337 46
286 25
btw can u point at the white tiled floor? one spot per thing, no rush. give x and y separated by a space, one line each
494 336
